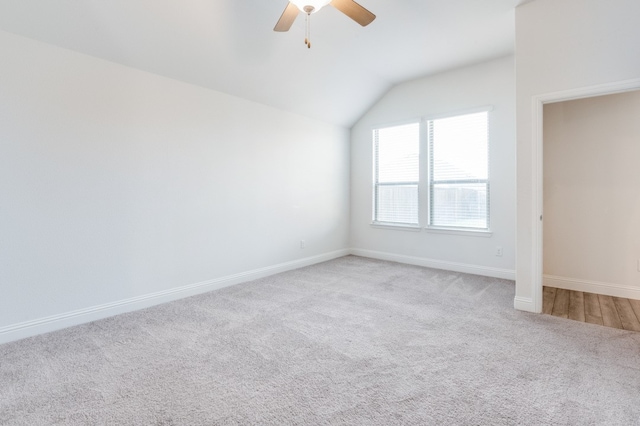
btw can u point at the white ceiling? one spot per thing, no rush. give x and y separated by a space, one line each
230 45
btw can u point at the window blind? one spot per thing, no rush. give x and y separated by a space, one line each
459 171
396 174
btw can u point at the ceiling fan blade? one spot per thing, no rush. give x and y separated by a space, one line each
288 16
354 11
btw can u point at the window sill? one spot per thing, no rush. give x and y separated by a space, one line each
458 231
398 227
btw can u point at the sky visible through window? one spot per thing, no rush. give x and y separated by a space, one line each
460 147
398 149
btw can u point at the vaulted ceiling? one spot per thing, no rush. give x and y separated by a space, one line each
230 45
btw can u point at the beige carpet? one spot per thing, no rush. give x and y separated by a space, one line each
347 342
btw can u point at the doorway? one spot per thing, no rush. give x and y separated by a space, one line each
591 206
537 217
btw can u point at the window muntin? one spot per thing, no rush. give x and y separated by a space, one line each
459 171
396 174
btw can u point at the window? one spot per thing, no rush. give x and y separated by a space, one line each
396 174
456 190
459 171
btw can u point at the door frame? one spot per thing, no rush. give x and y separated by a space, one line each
538 144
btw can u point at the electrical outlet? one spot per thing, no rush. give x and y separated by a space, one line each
638 265
303 244
499 251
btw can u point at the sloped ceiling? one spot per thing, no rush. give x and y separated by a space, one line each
230 45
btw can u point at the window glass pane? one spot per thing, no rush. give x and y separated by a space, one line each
460 147
396 174
460 205
397 204
459 171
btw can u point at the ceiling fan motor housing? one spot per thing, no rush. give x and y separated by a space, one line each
310 6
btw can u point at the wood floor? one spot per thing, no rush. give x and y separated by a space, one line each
592 308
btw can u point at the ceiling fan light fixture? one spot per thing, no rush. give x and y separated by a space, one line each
315 4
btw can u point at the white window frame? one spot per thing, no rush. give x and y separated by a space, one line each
425 180
427 122
376 184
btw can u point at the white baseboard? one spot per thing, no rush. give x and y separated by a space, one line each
93 313
486 271
524 304
81 316
608 289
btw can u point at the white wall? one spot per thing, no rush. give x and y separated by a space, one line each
490 83
592 194
561 46
116 183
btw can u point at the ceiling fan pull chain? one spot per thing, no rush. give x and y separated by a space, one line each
307 36
309 30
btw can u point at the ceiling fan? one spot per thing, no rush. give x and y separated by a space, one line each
349 7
